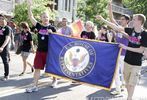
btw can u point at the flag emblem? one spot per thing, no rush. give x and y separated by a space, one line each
77 59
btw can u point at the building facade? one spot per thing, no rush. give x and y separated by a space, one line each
7 7
65 8
119 9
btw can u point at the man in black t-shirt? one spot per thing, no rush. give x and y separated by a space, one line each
5 34
135 50
43 29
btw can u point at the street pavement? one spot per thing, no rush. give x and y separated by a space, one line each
14 88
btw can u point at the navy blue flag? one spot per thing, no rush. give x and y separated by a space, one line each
85 61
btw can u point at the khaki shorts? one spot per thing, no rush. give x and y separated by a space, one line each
131 74
25 54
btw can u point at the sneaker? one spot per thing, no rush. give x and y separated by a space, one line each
5 78
21 74
73 82
123 88
32 89
54 84
115 92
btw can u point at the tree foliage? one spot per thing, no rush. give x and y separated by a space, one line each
38 7
137 6
88 9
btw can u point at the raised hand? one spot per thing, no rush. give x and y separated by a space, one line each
110 1
29 2
110 5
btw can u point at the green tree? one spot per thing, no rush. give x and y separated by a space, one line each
88 9
137 6
38 7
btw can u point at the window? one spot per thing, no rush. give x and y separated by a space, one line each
63 4
69 7
66 5
56 6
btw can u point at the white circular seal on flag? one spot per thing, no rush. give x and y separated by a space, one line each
77 59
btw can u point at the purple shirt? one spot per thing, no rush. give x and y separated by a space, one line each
121 39
66 31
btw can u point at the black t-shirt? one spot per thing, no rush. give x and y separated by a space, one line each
43 36
26 41
135 41
4 32
88 35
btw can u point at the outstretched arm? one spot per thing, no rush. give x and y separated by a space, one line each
31 17
111 13
110 24
125 34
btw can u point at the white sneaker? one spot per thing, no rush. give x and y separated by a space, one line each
54 84
5 78
115 92
32 89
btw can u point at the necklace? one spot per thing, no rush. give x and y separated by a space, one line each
139 36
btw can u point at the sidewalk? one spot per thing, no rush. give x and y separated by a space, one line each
14 88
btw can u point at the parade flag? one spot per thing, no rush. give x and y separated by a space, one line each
85 61
77 28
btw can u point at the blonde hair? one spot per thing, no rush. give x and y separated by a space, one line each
90 23
45 12
141 17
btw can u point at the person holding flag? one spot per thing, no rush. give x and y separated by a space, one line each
134 50
44 29
120 38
